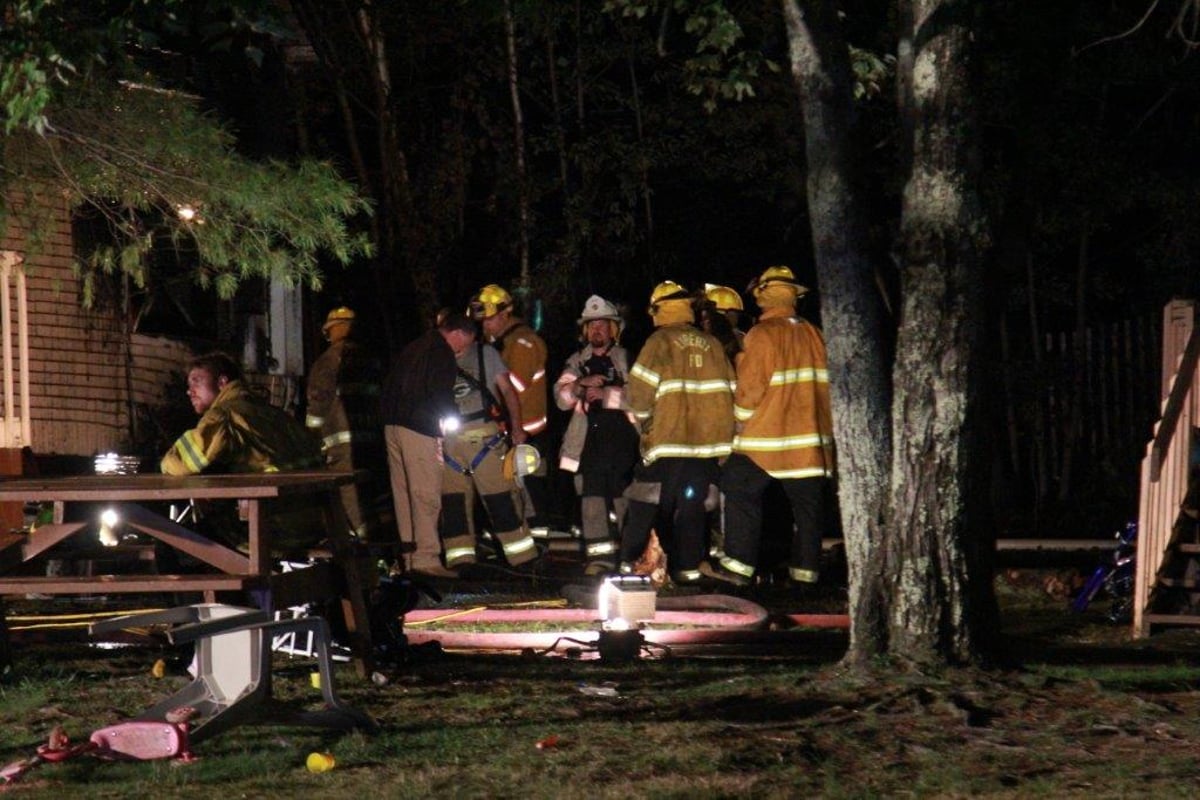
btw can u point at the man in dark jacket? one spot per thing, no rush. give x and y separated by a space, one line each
418 394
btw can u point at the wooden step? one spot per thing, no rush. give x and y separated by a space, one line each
1179 583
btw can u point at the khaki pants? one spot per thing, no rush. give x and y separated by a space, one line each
415 466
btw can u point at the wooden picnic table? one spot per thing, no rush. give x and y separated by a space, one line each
253 572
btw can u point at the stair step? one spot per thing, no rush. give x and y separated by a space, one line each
1179 583
1192 549
1172 619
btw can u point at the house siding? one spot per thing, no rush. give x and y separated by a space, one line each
83 378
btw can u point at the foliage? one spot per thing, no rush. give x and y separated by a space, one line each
159 170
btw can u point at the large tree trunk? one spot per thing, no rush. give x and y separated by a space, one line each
852 312
933 555
514 90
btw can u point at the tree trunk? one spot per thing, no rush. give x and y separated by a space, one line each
941 603
510 41
852 312
349 43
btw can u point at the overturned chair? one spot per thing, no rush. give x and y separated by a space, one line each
232 668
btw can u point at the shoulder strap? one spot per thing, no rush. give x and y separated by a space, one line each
491 407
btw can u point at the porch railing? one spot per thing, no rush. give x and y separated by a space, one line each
1165 467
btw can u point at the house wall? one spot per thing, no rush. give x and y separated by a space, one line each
76 375
83 378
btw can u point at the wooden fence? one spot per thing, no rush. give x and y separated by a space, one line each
1079 408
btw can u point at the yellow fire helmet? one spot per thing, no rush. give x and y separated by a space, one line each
339 314
522 460
489 301
667 290
776 275
723 298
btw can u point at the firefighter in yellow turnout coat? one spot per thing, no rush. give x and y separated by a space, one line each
680 391
239 431
343 414
782 407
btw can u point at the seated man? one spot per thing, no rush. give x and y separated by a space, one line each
239 431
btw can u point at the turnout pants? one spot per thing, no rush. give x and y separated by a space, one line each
605 469
742 484
672 490
474 467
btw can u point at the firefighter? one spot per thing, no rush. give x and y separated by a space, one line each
601 443
473 455
681 393
524 354
343 413
786 434
239 431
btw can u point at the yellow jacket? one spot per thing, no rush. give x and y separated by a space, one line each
524 354
241 432
343 396
782 398
681 392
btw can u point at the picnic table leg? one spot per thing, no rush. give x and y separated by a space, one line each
354 589
5 646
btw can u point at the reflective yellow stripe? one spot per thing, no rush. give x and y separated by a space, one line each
516 382
341 437
311 421
354 389
803 575
737 567
522 545
535 426
760 444
688 575
191 451
687 451
742 414
808 472
646 375
604 548
455 554
346 437
802 375
541 373
716 386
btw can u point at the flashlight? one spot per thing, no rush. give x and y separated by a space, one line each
108 524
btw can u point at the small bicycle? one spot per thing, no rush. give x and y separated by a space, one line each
1114 578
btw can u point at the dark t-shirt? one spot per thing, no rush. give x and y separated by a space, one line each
419 389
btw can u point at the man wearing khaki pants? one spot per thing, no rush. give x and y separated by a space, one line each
418 394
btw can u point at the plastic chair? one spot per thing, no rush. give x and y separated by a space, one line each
232 668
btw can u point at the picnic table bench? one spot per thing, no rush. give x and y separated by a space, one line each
253 572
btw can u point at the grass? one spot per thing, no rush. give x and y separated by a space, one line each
1083 712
